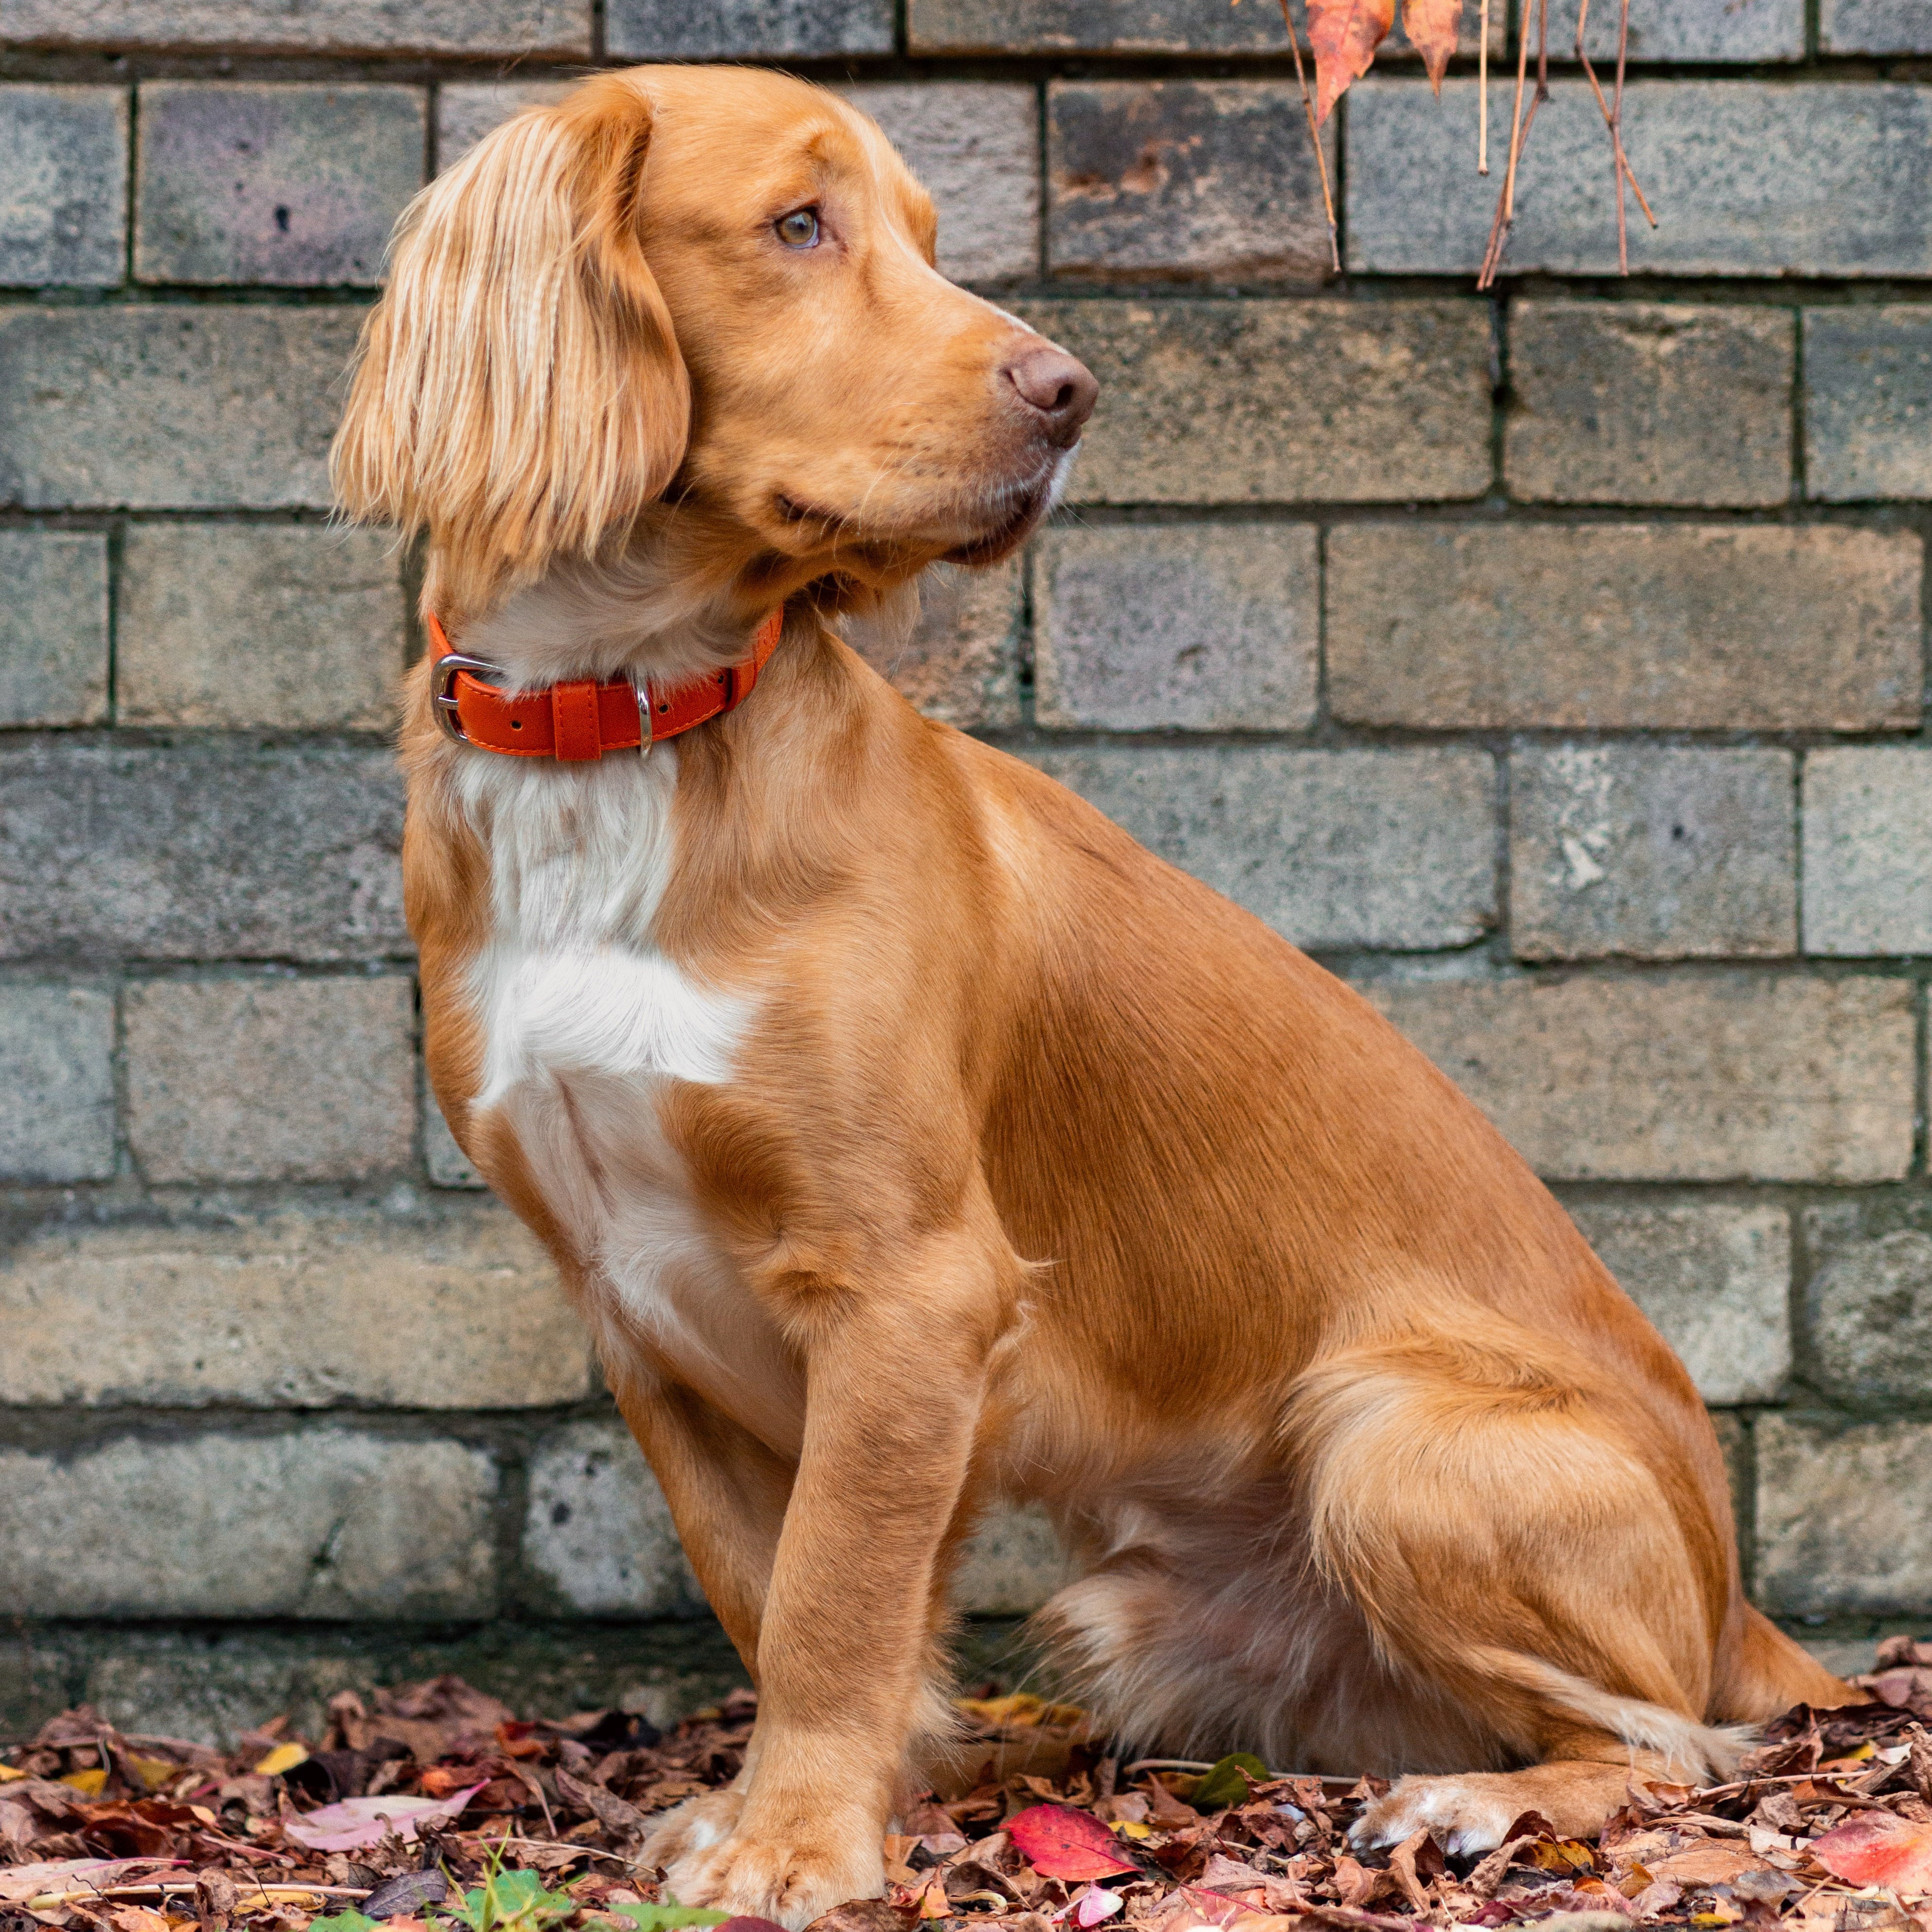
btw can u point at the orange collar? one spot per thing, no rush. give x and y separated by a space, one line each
581 720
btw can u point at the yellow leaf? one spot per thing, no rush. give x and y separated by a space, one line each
156 1771
7 1774
283 1757
1131 1827
89 1784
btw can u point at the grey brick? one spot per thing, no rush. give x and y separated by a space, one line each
1207 627
1149 179
1652 852
322 1522
466 110
1649 403
53 627
1748 178
519 27
1333 849
1664 625
213 851
449 1165
170 407
452 1305
292 628
1715 1279
599 1540
1125 26
1724 1077
1868 403
960 661
598 1532
247 182
747 29
1874 27
276 1079
1844 1515
1866 1313
56 1085
1868 850
1691 30
1285 401
975 147
63 185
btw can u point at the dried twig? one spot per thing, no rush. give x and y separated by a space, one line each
1483 93
1620 165
1520 124
1315 135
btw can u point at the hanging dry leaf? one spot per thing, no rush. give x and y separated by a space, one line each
1059 1842
1431 27
1345 35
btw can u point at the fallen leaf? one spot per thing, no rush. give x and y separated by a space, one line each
1718 1861
1228 1783
89 1784
8 1774
18 1883
1345 35
1432 26
356 1823
1059 1842
137 1918
283 1757
1875 1848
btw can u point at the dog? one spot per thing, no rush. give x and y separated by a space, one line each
907 1135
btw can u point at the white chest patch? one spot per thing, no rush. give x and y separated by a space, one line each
583 1019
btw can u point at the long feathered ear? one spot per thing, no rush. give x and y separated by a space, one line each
518 392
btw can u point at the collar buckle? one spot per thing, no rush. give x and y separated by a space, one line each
443 691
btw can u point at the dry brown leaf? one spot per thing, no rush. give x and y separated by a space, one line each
1432 26
1345 35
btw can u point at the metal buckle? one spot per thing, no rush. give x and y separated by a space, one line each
642 692
443 693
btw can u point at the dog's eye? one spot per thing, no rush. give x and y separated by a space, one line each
800 229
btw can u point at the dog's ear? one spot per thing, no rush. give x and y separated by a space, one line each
518 391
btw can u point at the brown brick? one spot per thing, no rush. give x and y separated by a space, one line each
275 1307
1216 178
1621 625
1731 1077
260 1079
1282 401
960 664
1649 403
1651 851
1210 627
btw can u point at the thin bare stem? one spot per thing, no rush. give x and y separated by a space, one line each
1515 128
1483 93
1315 136
1520 124
1620 165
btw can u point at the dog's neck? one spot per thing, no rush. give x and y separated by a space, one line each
630 616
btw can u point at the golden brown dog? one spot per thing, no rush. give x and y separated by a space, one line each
909 1136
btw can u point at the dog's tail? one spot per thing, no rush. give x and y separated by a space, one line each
1766 1672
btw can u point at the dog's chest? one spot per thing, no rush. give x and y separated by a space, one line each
584 1019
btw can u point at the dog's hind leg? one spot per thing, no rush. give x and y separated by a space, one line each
1515 1559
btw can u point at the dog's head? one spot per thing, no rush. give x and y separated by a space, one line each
702 299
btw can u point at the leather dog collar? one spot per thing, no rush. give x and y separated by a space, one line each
583 719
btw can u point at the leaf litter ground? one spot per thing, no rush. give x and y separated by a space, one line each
432 1808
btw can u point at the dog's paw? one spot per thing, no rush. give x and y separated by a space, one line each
694 1826
711 1857
1467 1814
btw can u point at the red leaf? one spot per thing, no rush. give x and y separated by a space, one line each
1345 35
1431 26
1876 1850
1060 1842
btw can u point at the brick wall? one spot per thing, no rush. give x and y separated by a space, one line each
1551 665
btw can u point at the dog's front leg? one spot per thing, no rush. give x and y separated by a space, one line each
847 1659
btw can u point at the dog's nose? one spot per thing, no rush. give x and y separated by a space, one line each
1056 386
